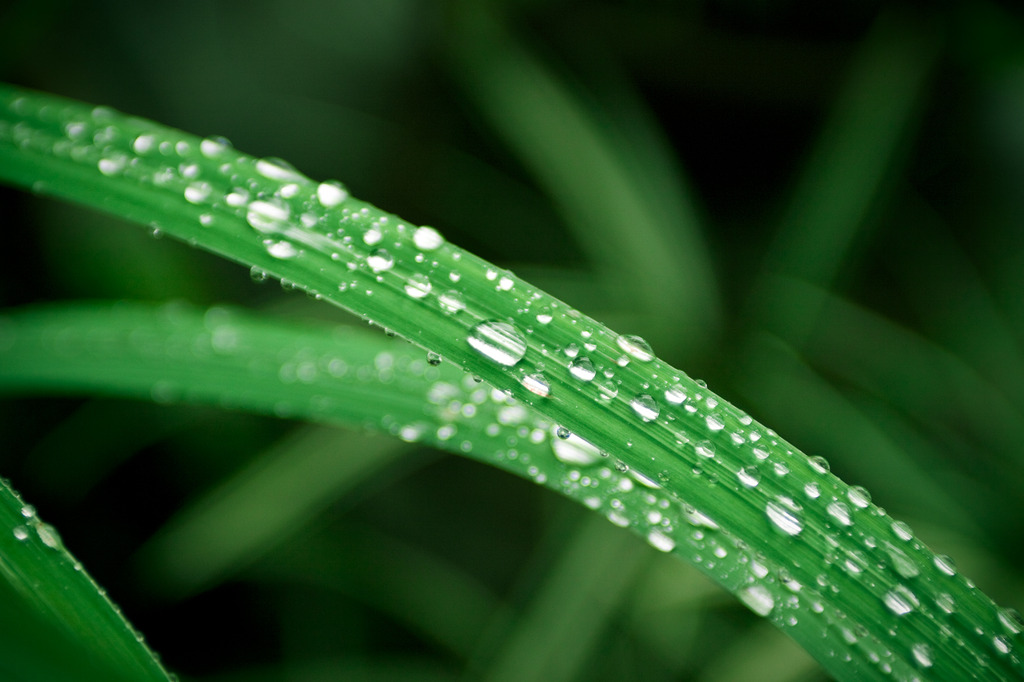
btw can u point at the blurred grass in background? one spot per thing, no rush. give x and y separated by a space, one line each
818 211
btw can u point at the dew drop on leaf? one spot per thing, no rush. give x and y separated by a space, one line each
380 260
498 341
574 450
452 301
645 407
636 347
757 598
330 193
537 384
418 285
660 541
267 216
281 249
278 169
783 515
582 368
427 238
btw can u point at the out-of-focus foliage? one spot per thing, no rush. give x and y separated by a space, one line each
842 185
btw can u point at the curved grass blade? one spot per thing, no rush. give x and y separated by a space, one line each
796 544
56 623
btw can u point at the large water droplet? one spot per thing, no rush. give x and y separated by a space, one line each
452 301
418 285
281 249
582 369
112 165
901 600
636 347
278 169
537 384
922 654
645 406
749 476
840 512
331 193
268 216
660 541
675 394
198 192
380 260
783 515
498 341
758 599
427 238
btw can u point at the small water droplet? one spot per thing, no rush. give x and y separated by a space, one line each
278 169
451 301
268 216
198 192
20 533
840 512
675 394
783 515
859 496
281 249
257 274
645 407
418 285
749 476
945 564
660 541
330 193
498 341
143 144
574 450
608 390
537 384
112 165
433 359
900 600
212 147
380 260
704 448
1011 620
562 432
635 347
757 598
583 369
714 421
819 464
48 535
922 654
427 238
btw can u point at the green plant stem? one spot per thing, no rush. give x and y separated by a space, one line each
795 543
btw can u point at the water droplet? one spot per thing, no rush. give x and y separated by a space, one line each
608 390
112 165
922 654
675 394
1011 620
268 216
143 144
427 238
451 301
433 359
380 260
714 421
757 598
635 347
901 561
660 541
859 496
28 511
901 600
281 249
645 406
562 432
331 193
20 533
902 531
418 285
749 476
840 512
537 384
582 368
819 464
257 274
498 341
945 564
48 535
198 192
1002 644
704 448
783 515
278 169
212 147
574 450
